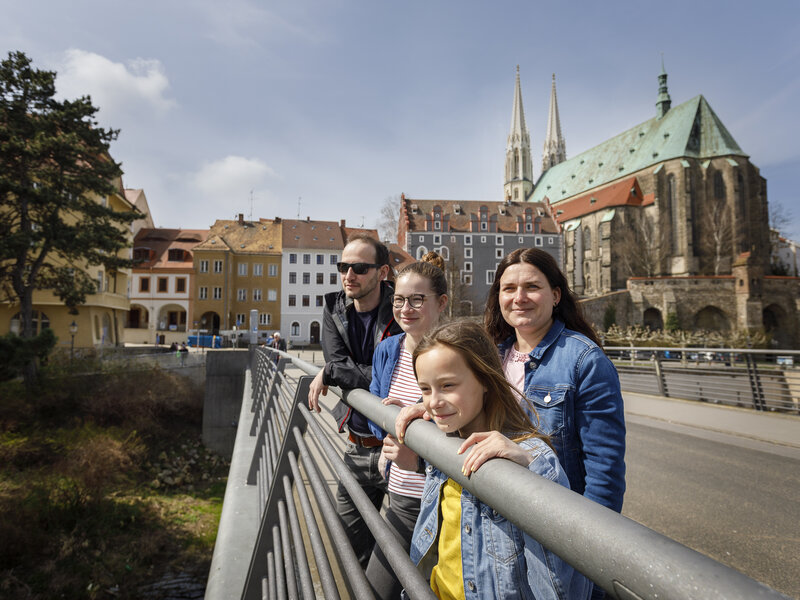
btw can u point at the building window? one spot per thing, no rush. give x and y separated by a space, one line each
256 295
537 241
306 259
292 277
175 255
100 282
483 239
421 238
468 240
272 295
498 253
550 240
467 252
240 319
217 293
292 259
203 293
719 186
243 269
437 225
489 277
241 294
258 270
180 285
468 266
292 300
306 300
295 331
217 266
334 258
319 300
421 251
437 239
163 285
445 252
498 240
587 239
528 227
144 284
204 266
320 259
466 278
452 239
484 226
273 270
265 319
320 278
306 278
333 279
520 240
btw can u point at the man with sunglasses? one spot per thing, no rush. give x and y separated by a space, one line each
354 321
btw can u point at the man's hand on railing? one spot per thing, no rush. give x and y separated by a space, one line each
491 444
315 389
403 456
405 416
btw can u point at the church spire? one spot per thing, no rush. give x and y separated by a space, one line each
555 149
664 102
519 171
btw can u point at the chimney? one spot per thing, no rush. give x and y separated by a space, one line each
241 218
308 219
342 223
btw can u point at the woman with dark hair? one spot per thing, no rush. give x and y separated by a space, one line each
553 356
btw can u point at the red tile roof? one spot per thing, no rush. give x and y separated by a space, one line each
622 193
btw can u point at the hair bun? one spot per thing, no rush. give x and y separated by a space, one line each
435 259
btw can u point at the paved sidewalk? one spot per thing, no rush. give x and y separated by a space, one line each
766 431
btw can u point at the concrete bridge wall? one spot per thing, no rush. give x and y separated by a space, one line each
225 374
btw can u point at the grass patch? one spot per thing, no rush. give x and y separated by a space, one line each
105 486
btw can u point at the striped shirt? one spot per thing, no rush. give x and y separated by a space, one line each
404 387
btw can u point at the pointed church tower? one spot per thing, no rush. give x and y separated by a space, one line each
555 149
664 102
519 170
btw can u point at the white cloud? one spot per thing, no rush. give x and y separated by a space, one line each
231 179
116 88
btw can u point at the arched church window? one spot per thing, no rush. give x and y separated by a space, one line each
587 238
741 212
672 201
719 186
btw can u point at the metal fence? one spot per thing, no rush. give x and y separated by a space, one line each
280 536
759 379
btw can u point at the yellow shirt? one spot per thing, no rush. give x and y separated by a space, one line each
447 580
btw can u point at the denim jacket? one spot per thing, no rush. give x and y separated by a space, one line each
574 389
498 559
383 361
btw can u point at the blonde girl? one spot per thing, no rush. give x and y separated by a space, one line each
463 546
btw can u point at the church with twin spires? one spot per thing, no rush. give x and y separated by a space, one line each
666 219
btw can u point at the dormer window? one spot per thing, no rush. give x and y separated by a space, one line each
175 255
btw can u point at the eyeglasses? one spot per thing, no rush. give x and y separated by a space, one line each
358 268
414 300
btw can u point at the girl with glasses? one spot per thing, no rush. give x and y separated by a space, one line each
420 296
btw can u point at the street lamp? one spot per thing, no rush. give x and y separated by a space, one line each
73 329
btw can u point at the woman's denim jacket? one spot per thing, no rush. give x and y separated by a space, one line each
498 559
574 388
383 361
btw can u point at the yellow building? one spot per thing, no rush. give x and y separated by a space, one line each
101 319
237 269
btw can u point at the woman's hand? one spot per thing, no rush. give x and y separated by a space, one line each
405 416
403 456
491 444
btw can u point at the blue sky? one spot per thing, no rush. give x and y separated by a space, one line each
346 103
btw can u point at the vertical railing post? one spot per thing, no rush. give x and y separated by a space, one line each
660 379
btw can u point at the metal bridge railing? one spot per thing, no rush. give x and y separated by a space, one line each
760 379
280 536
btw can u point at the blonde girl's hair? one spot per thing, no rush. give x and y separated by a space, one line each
501 407
431 267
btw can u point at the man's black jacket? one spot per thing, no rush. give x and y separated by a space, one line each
340 368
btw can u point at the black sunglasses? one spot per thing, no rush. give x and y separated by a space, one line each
358 268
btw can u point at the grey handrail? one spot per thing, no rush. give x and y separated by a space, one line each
627 559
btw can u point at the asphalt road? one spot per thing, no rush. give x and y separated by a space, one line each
738 505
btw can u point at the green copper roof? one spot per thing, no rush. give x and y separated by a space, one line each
691 129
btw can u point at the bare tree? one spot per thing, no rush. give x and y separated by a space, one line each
715 242
389 218
643 246
460 304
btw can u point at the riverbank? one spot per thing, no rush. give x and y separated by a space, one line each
105 487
